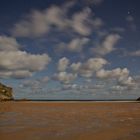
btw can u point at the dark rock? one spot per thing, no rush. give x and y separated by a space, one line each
5 93
138 99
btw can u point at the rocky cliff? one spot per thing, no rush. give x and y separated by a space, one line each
5 93
138 99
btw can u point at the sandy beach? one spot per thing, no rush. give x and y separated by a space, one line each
69 120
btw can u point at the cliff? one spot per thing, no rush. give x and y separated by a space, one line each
5 93
138 99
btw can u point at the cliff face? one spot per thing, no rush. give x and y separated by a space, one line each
5 93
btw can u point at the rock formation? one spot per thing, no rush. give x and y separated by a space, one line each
138 99
5 93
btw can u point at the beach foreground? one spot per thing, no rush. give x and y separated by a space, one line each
69 120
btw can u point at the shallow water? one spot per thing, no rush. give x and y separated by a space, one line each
70 120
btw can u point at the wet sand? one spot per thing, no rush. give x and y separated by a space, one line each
69 120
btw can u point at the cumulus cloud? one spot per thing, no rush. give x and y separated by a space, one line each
20 60
33 25
76 66
19 64
56 16
62 64
17 74
126 81
81 87
79 22
8 44
35 83
65 77
121 75
38 23
75 45
107 45
83 22
115 73
118 88
69 86
88 68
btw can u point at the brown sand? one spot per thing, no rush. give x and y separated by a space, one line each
69 121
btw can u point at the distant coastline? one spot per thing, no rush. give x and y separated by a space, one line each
73 100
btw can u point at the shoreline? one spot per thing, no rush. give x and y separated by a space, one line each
71 101
78 100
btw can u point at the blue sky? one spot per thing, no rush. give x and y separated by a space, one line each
79 49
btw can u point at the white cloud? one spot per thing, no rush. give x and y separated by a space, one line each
90 66
81 87
86 73
56 16
95 63
35 84
115 73
33 25
76 66
8 44
20 74
79 22
38 23
107 45
62 64
75 45
70 86
121 75
118 88
19 64
126 81
84 23
65 77
17 74
19 60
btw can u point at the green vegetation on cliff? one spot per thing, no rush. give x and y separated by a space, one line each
5 93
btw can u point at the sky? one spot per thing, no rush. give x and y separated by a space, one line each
70 49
